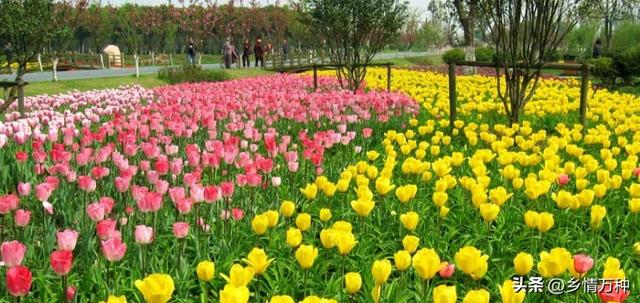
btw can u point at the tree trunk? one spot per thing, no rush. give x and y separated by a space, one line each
54 68
469 45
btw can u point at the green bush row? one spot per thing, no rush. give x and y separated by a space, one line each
624 65
191 74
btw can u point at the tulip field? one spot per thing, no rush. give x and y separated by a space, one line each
262 190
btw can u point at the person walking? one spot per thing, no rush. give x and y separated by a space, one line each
285 49
245 54
191 52
258 52
227 53
597 49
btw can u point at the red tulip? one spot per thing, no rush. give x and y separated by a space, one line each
563 179
447 270
8 203
582 263
367 132
21 156
70 293
614 294
12 253
18 281
227 189
237 214
106 229
61 261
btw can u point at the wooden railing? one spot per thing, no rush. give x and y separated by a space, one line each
584 85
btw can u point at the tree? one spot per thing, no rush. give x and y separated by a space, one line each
28 26
409 35
611 12
525 34
467 11
354 31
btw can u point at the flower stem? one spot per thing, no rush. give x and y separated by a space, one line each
64 289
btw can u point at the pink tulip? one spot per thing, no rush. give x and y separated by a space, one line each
8 203
67 239
180 229
143 234
582 263
70 293
24 189
113 249
292 166
151 202
61 261
22 217
563 179
197 193
184 205
212 193
225 214
18 281
367 132
227 189
12 253
107 203
237 214
95 212
276 181
636 171
447 270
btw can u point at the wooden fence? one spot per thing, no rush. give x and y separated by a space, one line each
584 86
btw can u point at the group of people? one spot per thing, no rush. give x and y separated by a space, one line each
230 55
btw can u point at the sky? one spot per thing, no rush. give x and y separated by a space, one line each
421 4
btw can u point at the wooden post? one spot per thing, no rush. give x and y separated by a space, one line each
315 77
452 95
388 77
40 62
101 61
20 84
584 97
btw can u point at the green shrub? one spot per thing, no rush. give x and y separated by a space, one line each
454 55
420 60
485 54
191 74
627 63
603 69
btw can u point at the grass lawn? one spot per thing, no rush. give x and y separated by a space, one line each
150 80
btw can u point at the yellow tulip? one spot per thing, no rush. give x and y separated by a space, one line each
472 262
306 255
554 263
258 259
410 220
477 296
426 263
362 207
597 215
303 221
499 195
445 294
406 192
328 238
205 270
531 219
523 263
287 208
342 185
372 155
281 299
156 288
384 186
345 242
381 270
259 224
636 248
375 292
343 226
410 243
294 237
316 299
239 275
489 211
439 198
509 294
325 214
612 269
310 191
273 217
545 222
114 299
233 294
443 212
402 260
352 282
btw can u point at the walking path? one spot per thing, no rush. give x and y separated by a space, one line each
119 72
